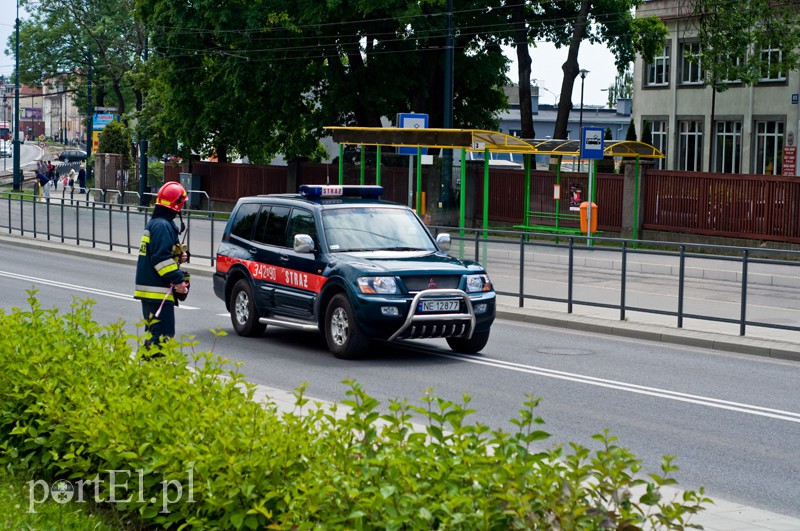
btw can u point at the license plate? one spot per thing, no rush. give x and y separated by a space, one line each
439 306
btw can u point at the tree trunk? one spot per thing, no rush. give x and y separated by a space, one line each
523 69
571 70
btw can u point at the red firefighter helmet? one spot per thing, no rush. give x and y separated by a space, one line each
172 196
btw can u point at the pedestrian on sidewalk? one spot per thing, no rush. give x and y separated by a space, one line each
82 180
44 185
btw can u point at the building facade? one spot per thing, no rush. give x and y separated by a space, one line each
754 129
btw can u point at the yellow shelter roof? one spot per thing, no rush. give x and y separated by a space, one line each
479 140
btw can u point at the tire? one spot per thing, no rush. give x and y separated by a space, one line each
342 333
244 315
469 346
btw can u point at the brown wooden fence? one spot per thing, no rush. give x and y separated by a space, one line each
738 206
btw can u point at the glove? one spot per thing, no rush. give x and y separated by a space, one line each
182 296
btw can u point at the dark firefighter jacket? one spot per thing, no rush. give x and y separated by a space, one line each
157 267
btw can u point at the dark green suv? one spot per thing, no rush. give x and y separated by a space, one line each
339 260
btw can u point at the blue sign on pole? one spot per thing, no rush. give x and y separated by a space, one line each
592 144
412 120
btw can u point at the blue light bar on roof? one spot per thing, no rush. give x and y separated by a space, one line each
327 190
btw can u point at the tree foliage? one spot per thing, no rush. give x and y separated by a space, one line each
746 41
264 78
622 87
62 39
611 22
116 138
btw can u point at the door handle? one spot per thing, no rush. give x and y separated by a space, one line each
284 258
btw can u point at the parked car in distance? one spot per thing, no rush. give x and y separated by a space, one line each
5 149
72 155
338 260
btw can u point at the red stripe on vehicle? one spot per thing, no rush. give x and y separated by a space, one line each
274 274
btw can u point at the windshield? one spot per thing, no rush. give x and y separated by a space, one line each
374 229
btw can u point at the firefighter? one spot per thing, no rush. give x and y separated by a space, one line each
160 282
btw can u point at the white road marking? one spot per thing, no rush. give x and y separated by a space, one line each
630 388
82 289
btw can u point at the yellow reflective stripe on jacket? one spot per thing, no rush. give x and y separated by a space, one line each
150 293
166 267
144 243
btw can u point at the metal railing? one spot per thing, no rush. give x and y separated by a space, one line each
521 267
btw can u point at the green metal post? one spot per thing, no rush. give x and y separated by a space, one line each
341 164
558 201
526 201
485 192
636 204
378 165
419 181
363 168
462 202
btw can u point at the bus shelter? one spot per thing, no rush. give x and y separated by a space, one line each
478 140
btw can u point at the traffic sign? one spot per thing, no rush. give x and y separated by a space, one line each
412 120
592 144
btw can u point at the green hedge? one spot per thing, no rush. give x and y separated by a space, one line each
74 405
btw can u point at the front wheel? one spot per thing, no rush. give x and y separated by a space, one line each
244 315
342 333
471 345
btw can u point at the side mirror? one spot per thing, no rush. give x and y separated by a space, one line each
303 243
443 241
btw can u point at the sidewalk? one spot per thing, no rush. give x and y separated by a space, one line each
723 515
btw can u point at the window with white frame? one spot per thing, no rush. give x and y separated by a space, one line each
771 69
728 146
658 134
691 69
690 145
734 61
768 147
658 70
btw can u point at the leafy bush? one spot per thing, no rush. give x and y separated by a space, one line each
75 405
116 138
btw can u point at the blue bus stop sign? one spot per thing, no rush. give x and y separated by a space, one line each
592 144
412 120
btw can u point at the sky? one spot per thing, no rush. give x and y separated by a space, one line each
546 69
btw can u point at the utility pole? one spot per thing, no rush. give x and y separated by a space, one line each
89 123
447 154
17 179
143 150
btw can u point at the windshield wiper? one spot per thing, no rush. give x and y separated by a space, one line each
400 248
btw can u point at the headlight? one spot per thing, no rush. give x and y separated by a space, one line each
379 285
477 283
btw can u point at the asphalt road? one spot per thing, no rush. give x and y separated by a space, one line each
712 285
733 421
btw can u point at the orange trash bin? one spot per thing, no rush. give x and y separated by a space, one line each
584 215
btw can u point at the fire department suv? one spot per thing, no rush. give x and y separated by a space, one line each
337 259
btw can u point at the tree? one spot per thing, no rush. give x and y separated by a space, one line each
65 38
116 138
612 22
631 134
606 164
647 135
746 42
264 78
622 87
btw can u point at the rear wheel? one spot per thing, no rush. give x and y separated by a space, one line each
342 333
471 345
244 315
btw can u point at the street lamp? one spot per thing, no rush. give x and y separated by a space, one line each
17 180
583 73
